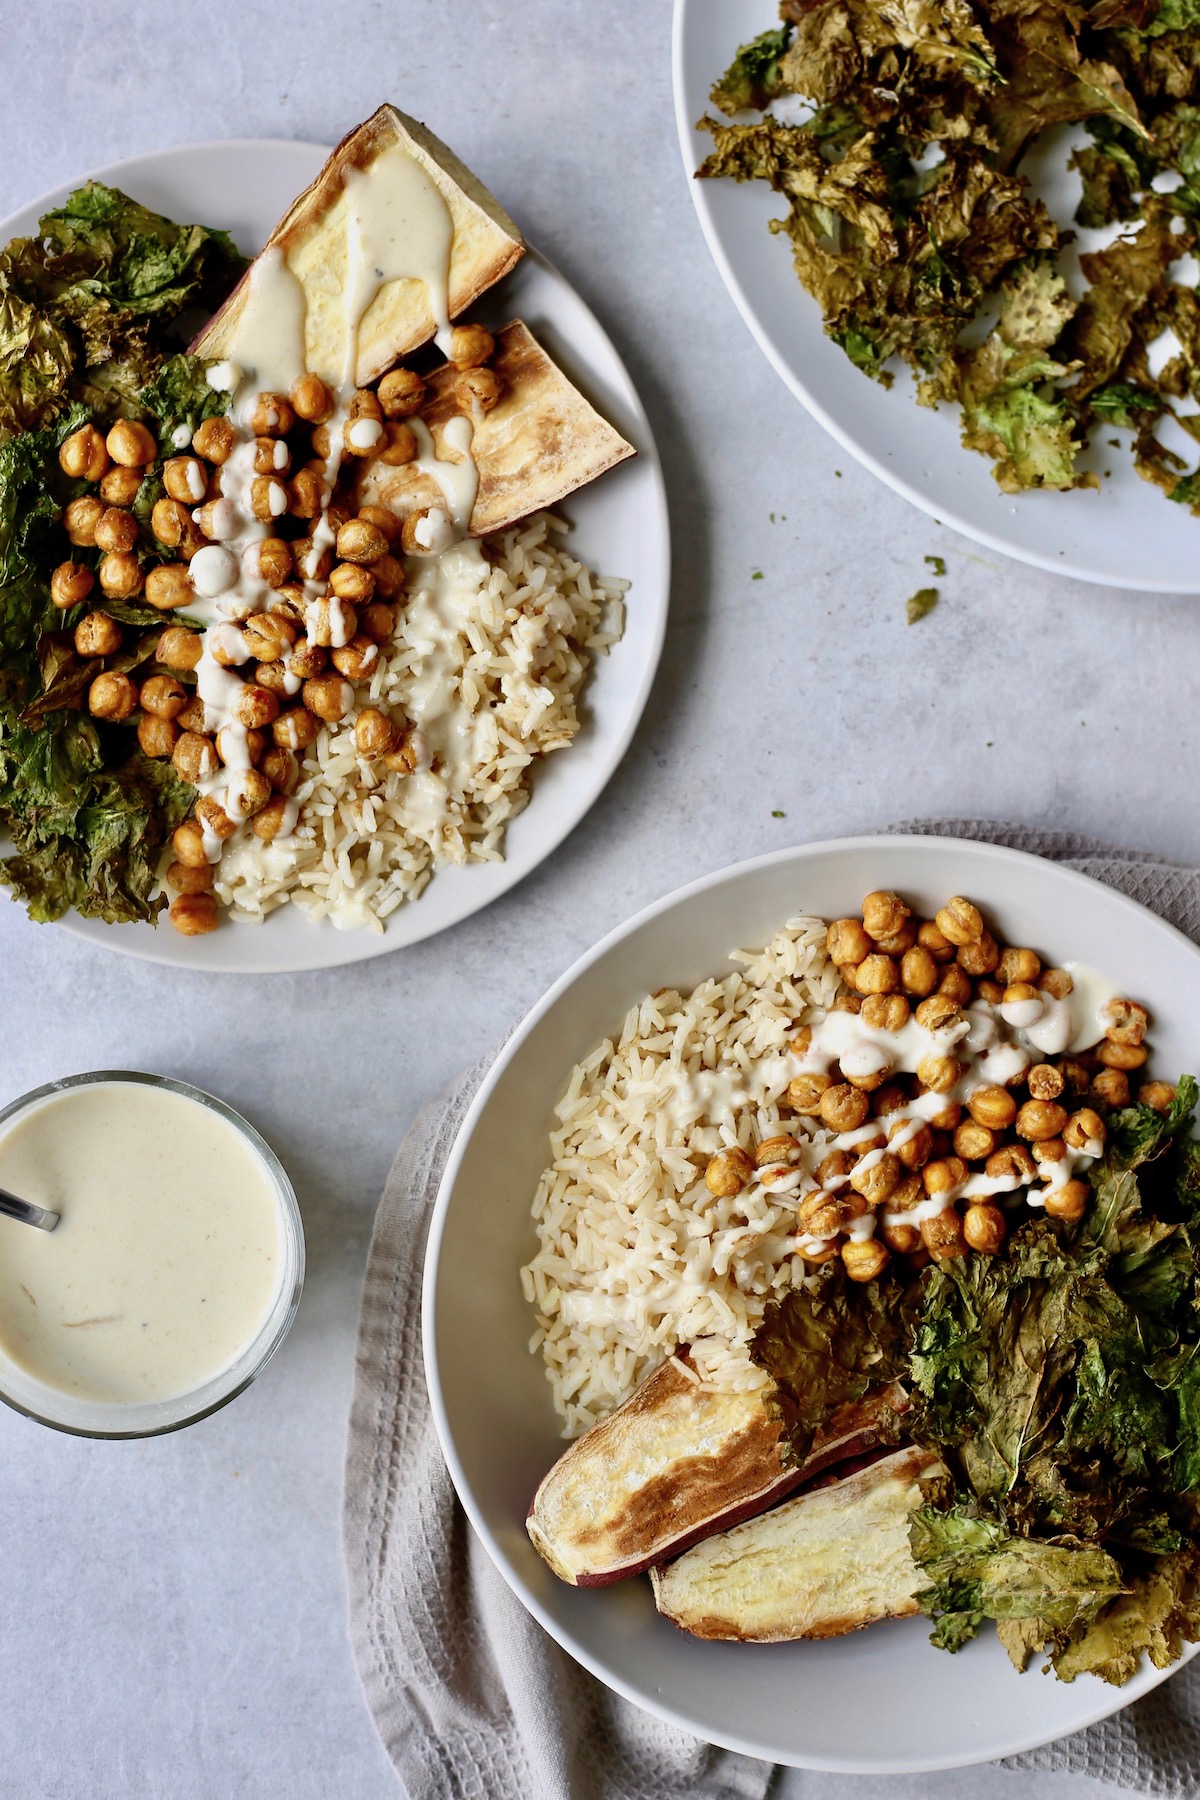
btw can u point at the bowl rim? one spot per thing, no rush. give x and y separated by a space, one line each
985 852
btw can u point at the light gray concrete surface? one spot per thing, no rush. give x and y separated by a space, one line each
173 1612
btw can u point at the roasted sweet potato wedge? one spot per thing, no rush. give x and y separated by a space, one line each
822 1564
313 238
672 1465
540 442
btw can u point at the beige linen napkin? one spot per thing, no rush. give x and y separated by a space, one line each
470 1697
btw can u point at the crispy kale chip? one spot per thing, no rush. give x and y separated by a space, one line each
752 78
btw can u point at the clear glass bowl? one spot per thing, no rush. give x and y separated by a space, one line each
147 1418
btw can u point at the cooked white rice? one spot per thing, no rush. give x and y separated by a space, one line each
530 620
635 1256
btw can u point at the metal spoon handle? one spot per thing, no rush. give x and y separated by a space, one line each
26 1211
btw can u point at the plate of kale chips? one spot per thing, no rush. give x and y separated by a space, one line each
964 233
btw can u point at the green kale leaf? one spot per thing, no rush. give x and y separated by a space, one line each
752 78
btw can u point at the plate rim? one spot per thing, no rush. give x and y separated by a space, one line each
986 852
363 944
942 514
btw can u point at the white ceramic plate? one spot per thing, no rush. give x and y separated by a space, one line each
1126 535
619 528
882 1700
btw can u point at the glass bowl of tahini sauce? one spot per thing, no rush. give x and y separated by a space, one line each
176 1267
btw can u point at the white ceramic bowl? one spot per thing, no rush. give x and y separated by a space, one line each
883 1699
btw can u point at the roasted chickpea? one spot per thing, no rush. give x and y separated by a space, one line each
195 757
918 972
333 622
80 518
247 793
363 436
939 1073
194 716
255 706
330 697
238 744
960 922
946 1121
407 755
190 878
822 1251
477 390
179 648
909 1192
1018 965
847 943
834 1166
1126 1022
1159 1095
426 532
956 985
163 696
187 841
120 487
169 520
274 561
728 1172
213 439
973 1142
470 345
993 1107
979 957
296 730
401 394
312 561
350 582
83 456
1039 1119
273 819
943 1235
193 914
305 495
917 1147
377 735
213 818
1049 1150
157 737
131 444
268 498
1121 1056
70 585
883 912
97 635
311 400
399 445
885 1012
383 518
120 574
851 1003
226 644
1084 1129
271 457
185 479
112 696
274 677
877 974
1012 1162
877 1180
1055 982
825 1214
268 636
938 1011
1076 1074
864 1259
843 1107
985 1228
1069 1202
804 1091
169 586
1111 1086
1045 1082
988 990
930 938
288 602
356 659
389 577
902 1239
944 1175
281 769
782 1148
871 1079
359 541
272 416
308 661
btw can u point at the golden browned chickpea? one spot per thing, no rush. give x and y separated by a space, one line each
1076 1074
332 622
82 456
227 645
956 985
237 744
847 943
1018 965
377 622
843 1108
804 1091
1049 1150
169 520
864 1259
274 677
112 696
938 1011
883 912
943 1235
313 561
936 942
185 479
349 582
190 878
783 1148
193 914
255 706
973 1142
120 574
272 416
960 922
851 1003
470 345
247 793
918 972
305 494
885 1012
179 648
944 1175
356 659
1159 1095
917 1147
1125 1022
363 436
979 957
1069 1202
406 756
268 636
834 1166
272 819
876 1181
728 1172
359 541
985 1228
288 602
281 769
296 730
1045 1082
268 498
70 585
274 561
168 586
311 400
1012 1162
477 390
97 635
389 577
157 737
1039 1119
214 819
195 757
877 974
308 661
1055 982
401 394
902 1239
271 457
131 444
1084 1130
194 716
991 991
1110 1086
377 735
80 519
365 404
398 445
163 696
213 439
939 1073
993 1107
824 1214
1121 1056
120 488
869 1082
187 841
947 1120
381 517
330 697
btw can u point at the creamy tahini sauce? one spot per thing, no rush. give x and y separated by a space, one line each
398 228
168 1256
